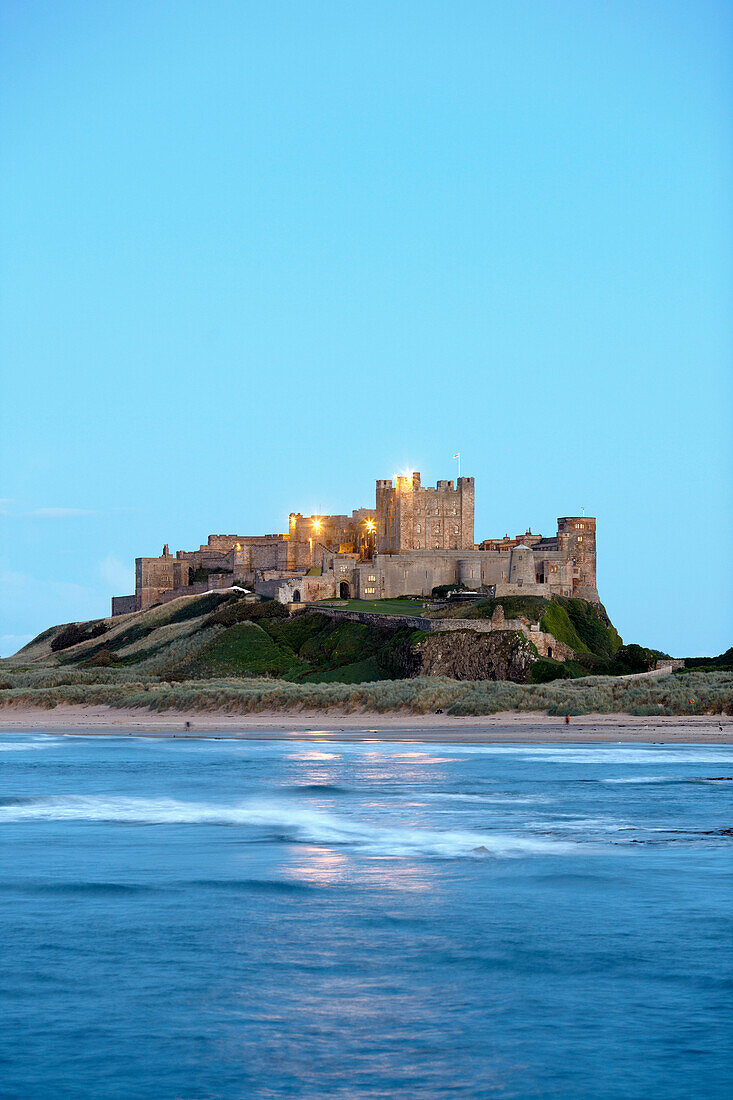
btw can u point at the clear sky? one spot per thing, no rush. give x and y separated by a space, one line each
258 254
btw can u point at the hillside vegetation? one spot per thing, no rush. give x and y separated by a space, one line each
582 625
220 649
224 634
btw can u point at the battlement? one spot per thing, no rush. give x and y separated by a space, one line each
413 516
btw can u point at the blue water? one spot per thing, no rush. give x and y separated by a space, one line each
212 918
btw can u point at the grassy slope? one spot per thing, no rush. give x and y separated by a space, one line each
309 647
129 638
219 634
243 649
322 663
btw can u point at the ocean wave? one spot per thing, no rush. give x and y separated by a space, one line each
284 823
581 824
23 746
603 754
454 796
650 779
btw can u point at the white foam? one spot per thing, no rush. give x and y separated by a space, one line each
23 746
286 823
648 779
603 754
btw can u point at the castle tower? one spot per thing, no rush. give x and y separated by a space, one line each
576 539
521 566
411 516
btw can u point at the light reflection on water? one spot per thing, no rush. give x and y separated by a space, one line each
271 920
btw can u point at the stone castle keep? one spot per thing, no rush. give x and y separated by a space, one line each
414 539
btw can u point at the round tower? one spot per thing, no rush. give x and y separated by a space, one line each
521 566
469 572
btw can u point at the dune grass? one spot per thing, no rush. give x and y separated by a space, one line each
695 693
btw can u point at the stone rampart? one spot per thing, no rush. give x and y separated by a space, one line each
547 644
123 605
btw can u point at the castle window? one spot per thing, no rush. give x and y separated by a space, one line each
372 578
418 544
455 529
437 528
418 528
369 591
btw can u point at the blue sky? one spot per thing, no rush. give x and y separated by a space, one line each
257 255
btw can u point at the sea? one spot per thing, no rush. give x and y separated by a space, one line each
209 917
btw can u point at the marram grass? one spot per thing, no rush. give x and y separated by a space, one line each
693 693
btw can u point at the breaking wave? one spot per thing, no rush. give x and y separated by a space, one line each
604 754
284 823
651 779
23 746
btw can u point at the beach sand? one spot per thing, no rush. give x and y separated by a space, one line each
330 726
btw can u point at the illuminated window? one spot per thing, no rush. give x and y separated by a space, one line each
372 578
437 528
418 528
455 529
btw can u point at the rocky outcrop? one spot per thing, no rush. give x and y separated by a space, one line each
468 655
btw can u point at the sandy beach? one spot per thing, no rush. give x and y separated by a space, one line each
319 726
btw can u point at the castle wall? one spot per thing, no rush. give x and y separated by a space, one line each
123 605
154 576
417 538
547 645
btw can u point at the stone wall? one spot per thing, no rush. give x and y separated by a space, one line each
123 605
547 645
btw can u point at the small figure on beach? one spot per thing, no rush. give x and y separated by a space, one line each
567 719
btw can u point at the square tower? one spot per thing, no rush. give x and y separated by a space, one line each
412 517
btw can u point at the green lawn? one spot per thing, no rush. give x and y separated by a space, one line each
380 607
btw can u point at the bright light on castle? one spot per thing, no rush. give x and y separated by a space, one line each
412 538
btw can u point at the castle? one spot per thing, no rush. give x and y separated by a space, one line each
415 539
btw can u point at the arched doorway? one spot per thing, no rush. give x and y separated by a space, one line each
549 651
296 596
344 591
